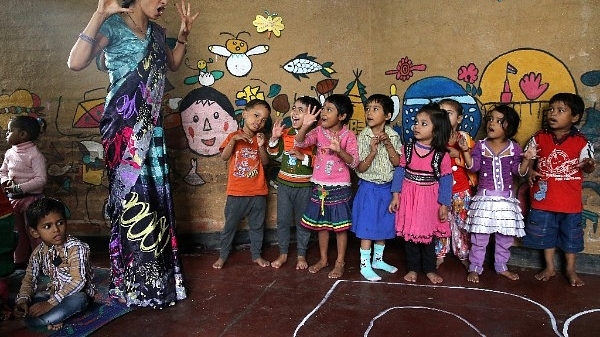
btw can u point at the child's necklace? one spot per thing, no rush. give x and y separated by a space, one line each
135 24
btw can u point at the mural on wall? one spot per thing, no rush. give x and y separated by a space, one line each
19 102
433 89
204 77
304 64
358 96
89 111
272 24
207 117
238 54
524 79
404 69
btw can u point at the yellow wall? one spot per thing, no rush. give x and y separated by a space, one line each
426 47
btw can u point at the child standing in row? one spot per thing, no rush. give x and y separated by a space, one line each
294 186
378 146
556 183
495 209
337 152
63 258
461 189
247 190
422 188
23 177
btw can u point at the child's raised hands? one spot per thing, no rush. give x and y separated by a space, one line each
311 117
531 152
260 139
278 127
335 143
373 144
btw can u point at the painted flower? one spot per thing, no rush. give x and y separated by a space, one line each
249 93
468 73
404 69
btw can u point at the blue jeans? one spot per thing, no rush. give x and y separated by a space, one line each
68 307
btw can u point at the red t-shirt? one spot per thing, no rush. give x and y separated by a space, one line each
561 180
246 174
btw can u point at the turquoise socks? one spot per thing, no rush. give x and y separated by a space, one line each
378 260
365 266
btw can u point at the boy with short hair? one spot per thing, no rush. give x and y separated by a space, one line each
247 190
65 259
555 218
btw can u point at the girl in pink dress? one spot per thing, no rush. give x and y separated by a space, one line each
422 189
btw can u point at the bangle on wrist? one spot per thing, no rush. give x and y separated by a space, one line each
87 38
182 42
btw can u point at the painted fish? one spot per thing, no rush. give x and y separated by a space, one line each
304 64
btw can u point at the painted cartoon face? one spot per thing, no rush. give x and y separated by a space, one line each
206 126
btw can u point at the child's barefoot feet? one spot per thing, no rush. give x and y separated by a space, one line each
465 263
338 270
574 279
434 278
509 275
438 262
281 260
473 277
317 266
55 327
545 274
301 263
219 264
411 276
261 262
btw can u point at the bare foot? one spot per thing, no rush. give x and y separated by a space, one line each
338 270
438 262
411 276
473 277
545 274
509 275
434 278
280 261
574 279
317 266
219 264
301 264
465 263
261 262
55 327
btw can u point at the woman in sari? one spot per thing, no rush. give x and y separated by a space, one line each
145 266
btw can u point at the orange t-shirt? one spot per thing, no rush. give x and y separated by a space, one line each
245 171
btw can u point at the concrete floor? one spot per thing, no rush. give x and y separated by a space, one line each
244 299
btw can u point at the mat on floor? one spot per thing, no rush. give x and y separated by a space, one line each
99 313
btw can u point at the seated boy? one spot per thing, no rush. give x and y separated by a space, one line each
64 259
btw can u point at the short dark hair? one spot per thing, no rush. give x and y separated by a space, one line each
386 103
309 101
573 101
42 207
31 125
254 102
343 104
457 106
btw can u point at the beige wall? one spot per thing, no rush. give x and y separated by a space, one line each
557 39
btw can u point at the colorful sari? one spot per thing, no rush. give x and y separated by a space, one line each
145 266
